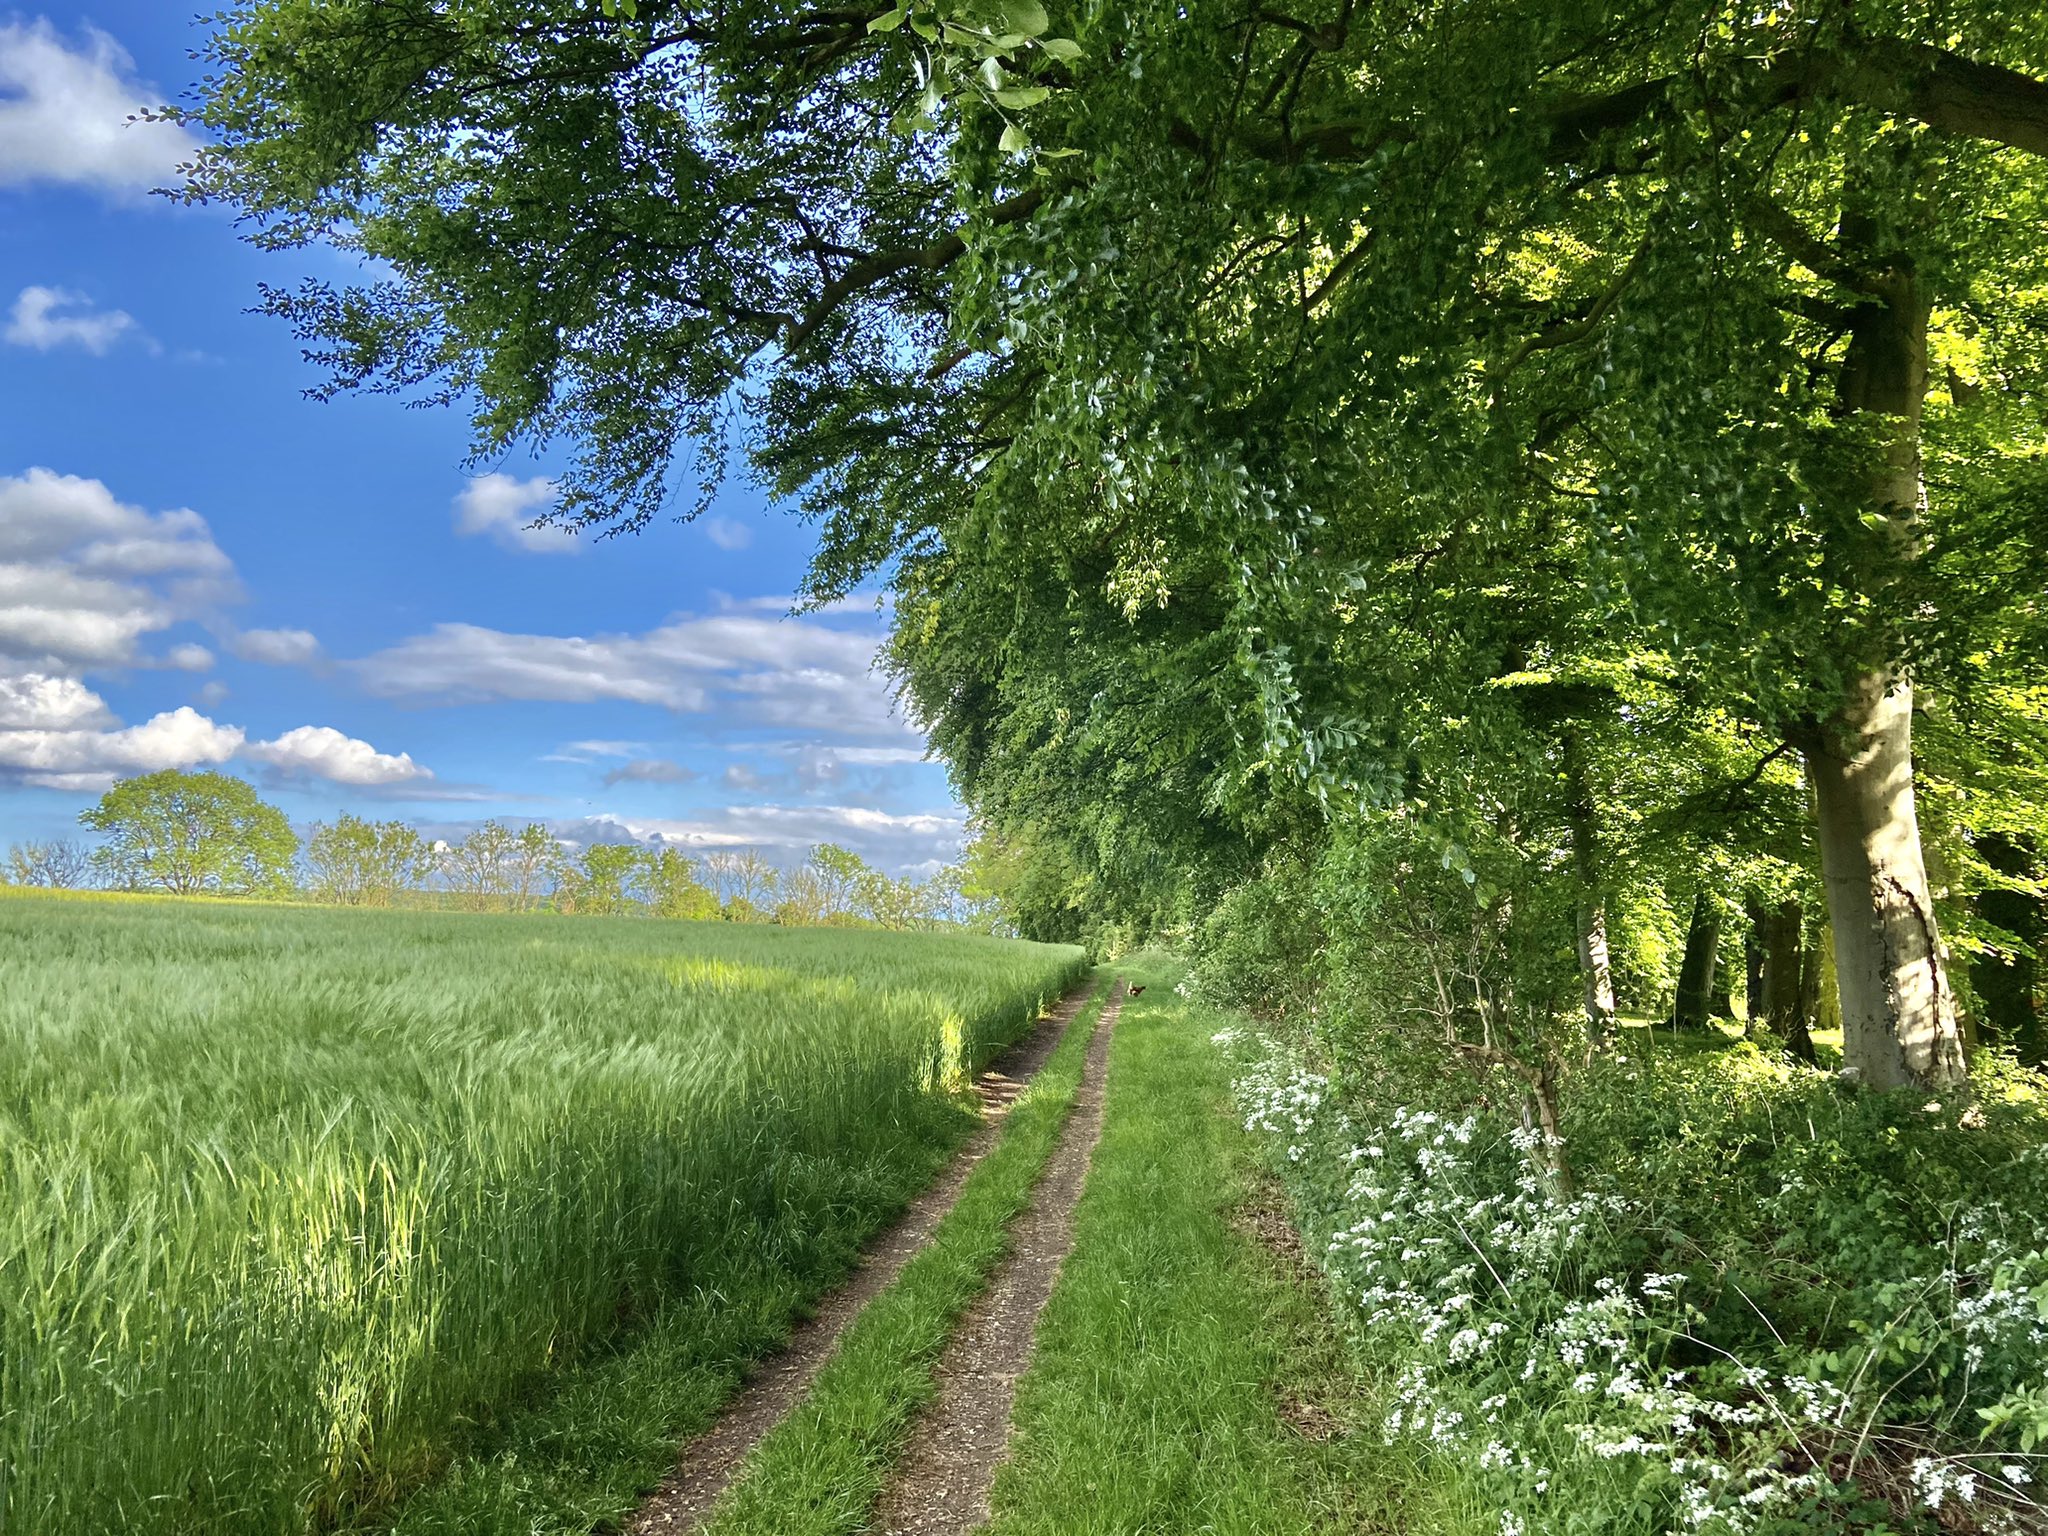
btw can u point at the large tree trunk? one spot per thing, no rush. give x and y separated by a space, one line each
1898 1012
1899 1024
1696 971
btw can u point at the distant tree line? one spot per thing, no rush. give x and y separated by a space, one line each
210 834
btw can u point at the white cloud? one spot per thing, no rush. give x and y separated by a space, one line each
49 318
321 752
650 770
65 110
789 674
31 701
878 757
84 581
591 751
503 506
276 647
212 693
93 759
84 577
785 833
819 768
726 533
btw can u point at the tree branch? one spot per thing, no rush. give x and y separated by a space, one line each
1579 330
1944 90
1951 94
1817 255
1328 38
883 265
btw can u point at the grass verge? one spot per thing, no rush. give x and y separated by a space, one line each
1185 1379
820 1472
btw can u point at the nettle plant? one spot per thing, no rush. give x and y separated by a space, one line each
1574 1357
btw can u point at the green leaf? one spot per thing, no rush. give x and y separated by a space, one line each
1065 49
1022 96
1015 140
1025 16
889 21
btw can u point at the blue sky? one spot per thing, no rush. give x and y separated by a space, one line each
200 567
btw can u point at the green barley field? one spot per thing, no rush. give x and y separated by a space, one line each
292 1196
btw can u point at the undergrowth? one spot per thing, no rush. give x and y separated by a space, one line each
1768 1305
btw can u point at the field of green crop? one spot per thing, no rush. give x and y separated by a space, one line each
286 1195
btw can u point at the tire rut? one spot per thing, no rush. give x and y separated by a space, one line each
945 1474
709 1462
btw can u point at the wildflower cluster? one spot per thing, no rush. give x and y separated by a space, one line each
1539 1350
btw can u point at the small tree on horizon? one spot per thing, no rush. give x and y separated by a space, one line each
192 834
59 864
672 886
354 862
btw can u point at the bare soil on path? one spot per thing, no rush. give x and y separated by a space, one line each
945 1474
709 1462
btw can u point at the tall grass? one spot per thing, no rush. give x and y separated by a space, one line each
287 1194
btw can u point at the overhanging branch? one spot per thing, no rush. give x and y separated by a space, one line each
1951 94
879 267
1942 89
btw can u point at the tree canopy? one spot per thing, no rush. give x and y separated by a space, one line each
1265 415
192 834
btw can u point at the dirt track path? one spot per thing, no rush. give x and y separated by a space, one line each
944 1476
709 1462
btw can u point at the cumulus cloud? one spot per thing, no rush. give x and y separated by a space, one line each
85 580
93 759
49 318
726 533
798 675
915 841
32 701
276 647
84 577
321 752
650 770
65 110
503 507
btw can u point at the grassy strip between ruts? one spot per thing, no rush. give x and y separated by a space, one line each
1184 1380
579 1454
821 1471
